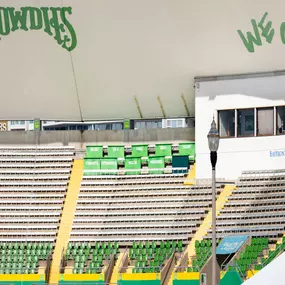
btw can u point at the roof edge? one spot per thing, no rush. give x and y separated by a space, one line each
239 76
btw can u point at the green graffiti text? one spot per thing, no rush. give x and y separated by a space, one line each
53 20
261 29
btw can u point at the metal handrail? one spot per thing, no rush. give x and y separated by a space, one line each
126 251
237 267
225 264
145 267
272 252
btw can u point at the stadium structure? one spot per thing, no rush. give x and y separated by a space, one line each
128 199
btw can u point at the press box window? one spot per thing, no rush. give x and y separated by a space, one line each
227 123
280 112
246 123
265 121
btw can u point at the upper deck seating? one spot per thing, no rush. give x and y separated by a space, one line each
256 207
139 208
138 159
33 184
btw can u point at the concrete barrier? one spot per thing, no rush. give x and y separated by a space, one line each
80 139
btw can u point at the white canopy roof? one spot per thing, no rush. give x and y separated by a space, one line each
126 48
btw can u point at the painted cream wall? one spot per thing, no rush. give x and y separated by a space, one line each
237 154
145 48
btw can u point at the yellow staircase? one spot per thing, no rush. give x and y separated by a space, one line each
190 180
202 231
66 219
191 177
115 272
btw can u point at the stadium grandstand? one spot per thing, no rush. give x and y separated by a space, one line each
142 142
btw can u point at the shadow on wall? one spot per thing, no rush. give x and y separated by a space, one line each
260 85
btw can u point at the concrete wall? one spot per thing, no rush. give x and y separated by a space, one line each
80 139
241 153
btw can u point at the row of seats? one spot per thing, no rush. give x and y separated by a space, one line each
150 257
90 258
100 161
19 258
35 153
203 250
48 148
141 150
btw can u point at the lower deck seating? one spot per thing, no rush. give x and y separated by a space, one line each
144 257
23 258
203 251
250 257
90 258
271 255
150 257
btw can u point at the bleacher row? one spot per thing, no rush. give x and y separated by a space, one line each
33 184
150 257
255 208
150 207
18 258
154 215
90 258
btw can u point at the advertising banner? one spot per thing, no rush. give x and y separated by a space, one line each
231 244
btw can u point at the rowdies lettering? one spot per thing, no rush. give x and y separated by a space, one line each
53 20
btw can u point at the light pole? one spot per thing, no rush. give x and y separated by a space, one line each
213 140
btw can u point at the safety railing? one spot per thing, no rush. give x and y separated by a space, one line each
143 171
145 269
273 254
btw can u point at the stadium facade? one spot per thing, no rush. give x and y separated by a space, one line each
127 206
250 111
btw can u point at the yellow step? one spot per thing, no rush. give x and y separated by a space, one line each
67 217
114 277
130 269
202 231
191 177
